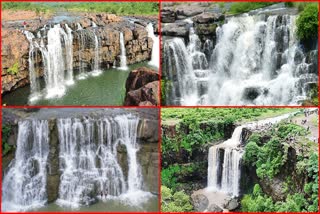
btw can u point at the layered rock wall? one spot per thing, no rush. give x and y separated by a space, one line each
15 46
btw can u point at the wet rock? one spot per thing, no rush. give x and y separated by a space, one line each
200 202
148 158
206 18
232 204
251 93
168 16
180 29
148 130
214 208
189 11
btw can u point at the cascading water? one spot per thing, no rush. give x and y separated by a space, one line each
96 69
256 60
88 161
181 71
69 55
34 84
56 65
123 57
224 165
155 59
90 165
224 160
24 185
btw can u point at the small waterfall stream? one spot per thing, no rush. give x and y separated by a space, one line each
123 57
155 58
88 162
35 87
24 185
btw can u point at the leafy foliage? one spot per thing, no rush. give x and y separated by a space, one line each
307 22
6 131
268 160
177 202
13 70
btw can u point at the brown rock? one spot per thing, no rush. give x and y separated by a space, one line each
140 33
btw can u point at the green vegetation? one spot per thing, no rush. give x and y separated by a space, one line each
6 131
165 88
270 159
243 7
307 200
188 133
119 8
13 70
307 22
174 202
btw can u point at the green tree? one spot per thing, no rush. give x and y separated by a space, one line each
307 22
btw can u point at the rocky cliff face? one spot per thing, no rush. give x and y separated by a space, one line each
15 46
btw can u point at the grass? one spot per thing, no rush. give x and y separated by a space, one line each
123 8
243 7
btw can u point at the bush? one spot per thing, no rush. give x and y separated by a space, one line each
307 23
178 202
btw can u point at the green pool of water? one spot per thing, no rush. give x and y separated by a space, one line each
107 206
105 89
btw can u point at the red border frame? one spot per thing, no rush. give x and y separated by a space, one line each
157 107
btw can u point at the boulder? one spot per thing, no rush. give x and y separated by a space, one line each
206 18
168 16
232 204
140 33
180 29
140 77
200 202
214 208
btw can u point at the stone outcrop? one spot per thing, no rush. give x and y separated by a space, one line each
14 54
142 88
15 46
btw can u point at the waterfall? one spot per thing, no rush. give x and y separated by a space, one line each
34 84
56 65
24 185
155 59
256 60
96 69
81 45
179 64
123 57
69 55
224 160
90 164
224 165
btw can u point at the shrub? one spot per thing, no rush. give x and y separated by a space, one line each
13 70
307 22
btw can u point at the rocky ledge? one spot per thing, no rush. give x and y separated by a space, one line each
142 88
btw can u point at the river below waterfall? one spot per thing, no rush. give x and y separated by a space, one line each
105 89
